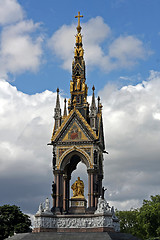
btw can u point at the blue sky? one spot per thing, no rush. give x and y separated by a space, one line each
125 18
121 42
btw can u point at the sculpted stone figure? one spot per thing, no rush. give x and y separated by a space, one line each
71 86
76 52
83 86
78 189
78 84
78 38
40 209
81 52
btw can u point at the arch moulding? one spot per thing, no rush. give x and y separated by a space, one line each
66 156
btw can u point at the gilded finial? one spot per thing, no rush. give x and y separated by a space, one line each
93 88
79 27
57 90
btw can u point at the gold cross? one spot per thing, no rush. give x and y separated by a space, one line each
79 16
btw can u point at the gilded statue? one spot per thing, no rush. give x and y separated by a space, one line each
78 38
76 52
78 188
80 51
78 84
83 86
71 86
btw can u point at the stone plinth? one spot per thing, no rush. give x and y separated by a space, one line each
77 220
75 223
78 206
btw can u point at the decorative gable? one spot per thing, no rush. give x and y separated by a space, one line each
75 133
74 128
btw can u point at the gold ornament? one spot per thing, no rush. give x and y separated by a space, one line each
71 86
78 84
78 189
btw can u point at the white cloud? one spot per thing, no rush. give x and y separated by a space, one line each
19 51
10 11
126 51
61 43
132 136
25 157
123 51
20 48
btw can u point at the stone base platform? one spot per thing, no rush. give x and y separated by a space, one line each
102 220
75 223
73 236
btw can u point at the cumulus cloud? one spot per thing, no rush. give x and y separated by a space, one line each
10 11
132 133
61 43
25 129
123 51
126 50
20 49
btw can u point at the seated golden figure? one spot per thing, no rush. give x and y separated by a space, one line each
78 189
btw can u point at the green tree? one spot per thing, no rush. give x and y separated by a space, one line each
149 217
12 220
143 222
129 221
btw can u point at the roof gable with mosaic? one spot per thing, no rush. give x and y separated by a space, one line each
74 128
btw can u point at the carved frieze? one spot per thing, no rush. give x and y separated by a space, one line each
74 222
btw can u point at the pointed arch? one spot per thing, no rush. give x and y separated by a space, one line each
72 157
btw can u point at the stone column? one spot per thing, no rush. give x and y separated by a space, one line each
96 189
67 193
64 193
57 190
92 197
54 192
89 190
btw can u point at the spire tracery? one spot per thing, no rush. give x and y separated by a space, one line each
78 87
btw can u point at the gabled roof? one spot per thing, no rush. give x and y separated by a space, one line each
74 113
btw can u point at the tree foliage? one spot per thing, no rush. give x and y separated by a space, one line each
143 222
12 220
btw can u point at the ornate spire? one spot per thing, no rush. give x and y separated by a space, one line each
93 112
57 113
98 104
57 101
93 104
65 109
78 87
